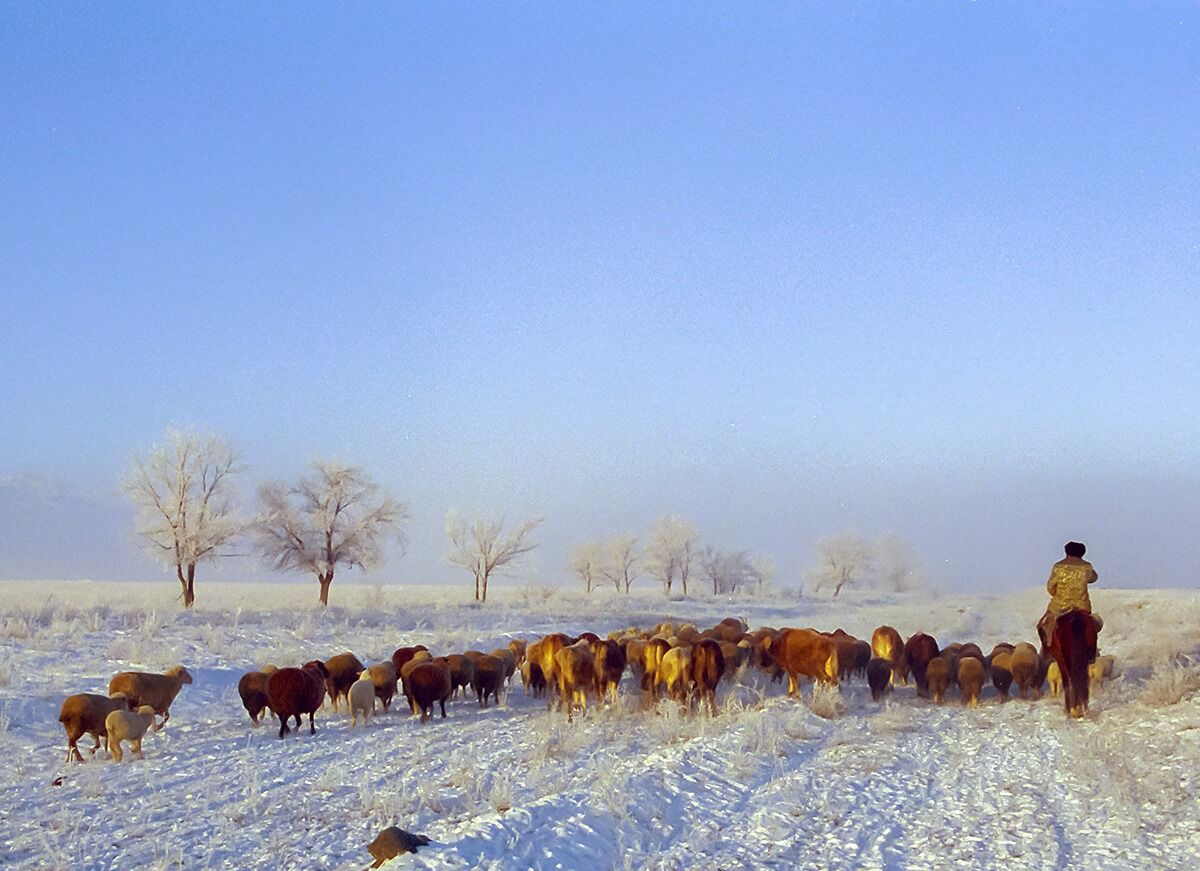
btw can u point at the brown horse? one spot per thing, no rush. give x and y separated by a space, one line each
1073 647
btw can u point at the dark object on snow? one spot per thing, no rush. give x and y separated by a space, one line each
393 841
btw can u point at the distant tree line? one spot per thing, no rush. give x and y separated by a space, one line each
185 495
672 553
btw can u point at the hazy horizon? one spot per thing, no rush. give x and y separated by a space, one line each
924 272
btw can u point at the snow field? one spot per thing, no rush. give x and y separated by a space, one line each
832 780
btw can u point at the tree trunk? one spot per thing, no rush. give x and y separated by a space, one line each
841 583
325 579
187 583
477 588
485 580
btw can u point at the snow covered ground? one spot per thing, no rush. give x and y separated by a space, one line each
771 782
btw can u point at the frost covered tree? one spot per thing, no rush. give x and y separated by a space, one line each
671 549
842 561
619 558
897 565
733 572
585 560
763 571
888 563
478 546
183 493
338 516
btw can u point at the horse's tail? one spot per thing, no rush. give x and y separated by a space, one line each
1073 643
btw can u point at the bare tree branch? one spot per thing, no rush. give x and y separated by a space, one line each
327 520
182 491
478 547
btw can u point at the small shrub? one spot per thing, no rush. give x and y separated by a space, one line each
827 702
1170 682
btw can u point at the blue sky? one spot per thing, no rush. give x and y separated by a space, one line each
785 270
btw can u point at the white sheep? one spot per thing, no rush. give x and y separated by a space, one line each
362 697
129 726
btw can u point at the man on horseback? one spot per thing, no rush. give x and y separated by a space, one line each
1068 588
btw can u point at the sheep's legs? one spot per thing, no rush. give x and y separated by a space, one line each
312 730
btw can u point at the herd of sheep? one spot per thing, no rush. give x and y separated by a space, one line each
680 662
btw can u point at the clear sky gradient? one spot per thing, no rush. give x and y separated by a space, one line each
786 270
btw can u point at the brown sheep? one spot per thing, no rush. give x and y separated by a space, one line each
805 653
1100 670
401 655
462 672
547 653
731 632
1001 647
745 653
917 652
532 677
765 655
731 654
1039 679
253 691
575 673
635 650
146 688
970 679
970 649
488 678
407 670
862 656
937 677
518 648
846 654
1025 665
383 676
1054 678
428 683
344 670
1002 673
652 657
590 637
688 633
675 673
609 661
879 677
292 692
708 664
84 714
509 659
886 643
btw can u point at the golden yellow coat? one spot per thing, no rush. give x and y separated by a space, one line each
1068 585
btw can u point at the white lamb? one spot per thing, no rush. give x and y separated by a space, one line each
362 698
129 726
